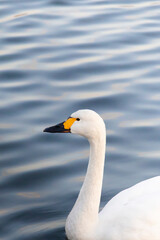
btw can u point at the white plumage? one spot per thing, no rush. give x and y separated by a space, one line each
133 214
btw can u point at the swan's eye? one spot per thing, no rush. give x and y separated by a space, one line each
77 119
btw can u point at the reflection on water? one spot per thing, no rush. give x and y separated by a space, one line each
57 57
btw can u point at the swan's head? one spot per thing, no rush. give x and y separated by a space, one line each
84 122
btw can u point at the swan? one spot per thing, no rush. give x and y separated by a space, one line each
133 214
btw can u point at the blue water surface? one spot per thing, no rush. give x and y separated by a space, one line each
57 57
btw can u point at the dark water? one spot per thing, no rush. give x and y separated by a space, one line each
57 57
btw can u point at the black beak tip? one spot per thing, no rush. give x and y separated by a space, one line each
45 130
59 128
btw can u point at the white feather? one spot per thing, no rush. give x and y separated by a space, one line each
133 214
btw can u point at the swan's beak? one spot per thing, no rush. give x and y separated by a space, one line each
59 128
64 127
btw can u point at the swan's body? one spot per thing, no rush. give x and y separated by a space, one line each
133 214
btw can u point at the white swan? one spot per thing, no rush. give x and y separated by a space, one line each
133 214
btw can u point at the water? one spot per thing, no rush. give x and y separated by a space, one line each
55 58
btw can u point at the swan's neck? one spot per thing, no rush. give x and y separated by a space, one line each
84 215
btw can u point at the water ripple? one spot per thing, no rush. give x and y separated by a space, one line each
57 57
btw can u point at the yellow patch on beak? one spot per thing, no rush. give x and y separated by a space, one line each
68 123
